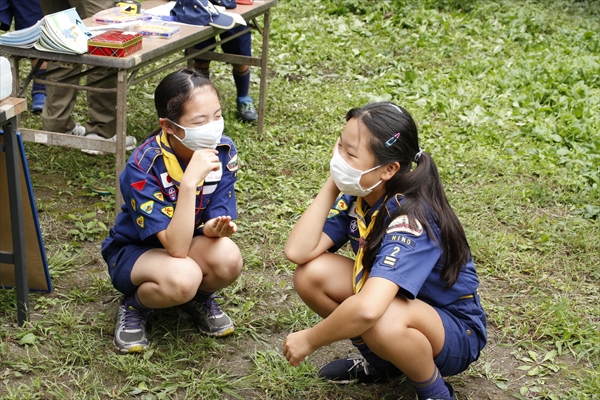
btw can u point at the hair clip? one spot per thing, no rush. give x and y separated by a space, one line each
390 142
396 107
418 155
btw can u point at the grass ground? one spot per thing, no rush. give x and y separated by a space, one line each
507 96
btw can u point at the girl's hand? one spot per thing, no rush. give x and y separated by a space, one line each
220 227
296 346
202 162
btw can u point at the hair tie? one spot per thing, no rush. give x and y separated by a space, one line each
390 142
418 155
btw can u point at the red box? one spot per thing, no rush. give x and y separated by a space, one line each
115 43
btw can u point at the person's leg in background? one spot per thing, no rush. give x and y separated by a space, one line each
25 14
241 45
56 115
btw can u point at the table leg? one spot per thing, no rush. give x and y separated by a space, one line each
13 171
121 133
263 72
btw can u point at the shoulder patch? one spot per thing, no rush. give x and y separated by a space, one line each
139 185
147 207
168 211
133 204
401 224
159 196
233 164
341 205
332 213
140 221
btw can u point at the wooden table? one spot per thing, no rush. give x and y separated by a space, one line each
10 108
127 69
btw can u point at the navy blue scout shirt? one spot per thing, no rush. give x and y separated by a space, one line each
150 186
407 257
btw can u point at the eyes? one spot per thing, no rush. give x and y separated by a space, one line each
349 152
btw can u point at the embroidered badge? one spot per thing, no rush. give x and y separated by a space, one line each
166 180
402 240
341 205
159 196
391 261
353 226
140 221
172 193
133 204
147 207
332 213
401 224
168 211
233 164
139 185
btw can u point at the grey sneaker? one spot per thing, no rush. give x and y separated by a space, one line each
209 317
130 143
130 332
79 130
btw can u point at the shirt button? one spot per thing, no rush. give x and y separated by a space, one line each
468 332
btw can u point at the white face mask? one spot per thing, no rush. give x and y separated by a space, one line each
346 178
206 136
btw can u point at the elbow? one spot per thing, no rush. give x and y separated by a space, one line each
177 253
367 315
293 255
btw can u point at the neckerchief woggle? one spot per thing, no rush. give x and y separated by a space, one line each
171 162
359 274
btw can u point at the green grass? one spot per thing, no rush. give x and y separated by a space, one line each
506 95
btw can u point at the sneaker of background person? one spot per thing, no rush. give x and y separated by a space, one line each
130 331
37 102
130 143
245 107
79 130
209 317
353 369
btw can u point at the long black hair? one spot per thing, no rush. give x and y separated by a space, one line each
175 90
424 197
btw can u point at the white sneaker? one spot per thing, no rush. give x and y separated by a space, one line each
130 143
79 130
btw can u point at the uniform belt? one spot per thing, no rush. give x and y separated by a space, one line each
468 296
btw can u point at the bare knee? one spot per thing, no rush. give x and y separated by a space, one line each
225 267
184 282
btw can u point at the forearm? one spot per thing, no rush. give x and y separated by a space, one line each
306 234
341 324
179 233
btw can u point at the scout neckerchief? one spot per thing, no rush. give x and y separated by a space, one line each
359 274
171 162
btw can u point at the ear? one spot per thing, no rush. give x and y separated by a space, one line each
389 170
167 126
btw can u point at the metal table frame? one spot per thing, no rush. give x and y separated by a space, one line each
9 111
127 69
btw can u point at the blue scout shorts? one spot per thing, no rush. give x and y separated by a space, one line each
120 265
25 13
465 327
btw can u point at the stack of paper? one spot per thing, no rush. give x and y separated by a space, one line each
64 32
24 38
61 32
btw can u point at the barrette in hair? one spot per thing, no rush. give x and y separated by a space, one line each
418 155
390 142
396 107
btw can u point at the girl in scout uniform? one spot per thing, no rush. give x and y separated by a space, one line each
170 245
409 300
